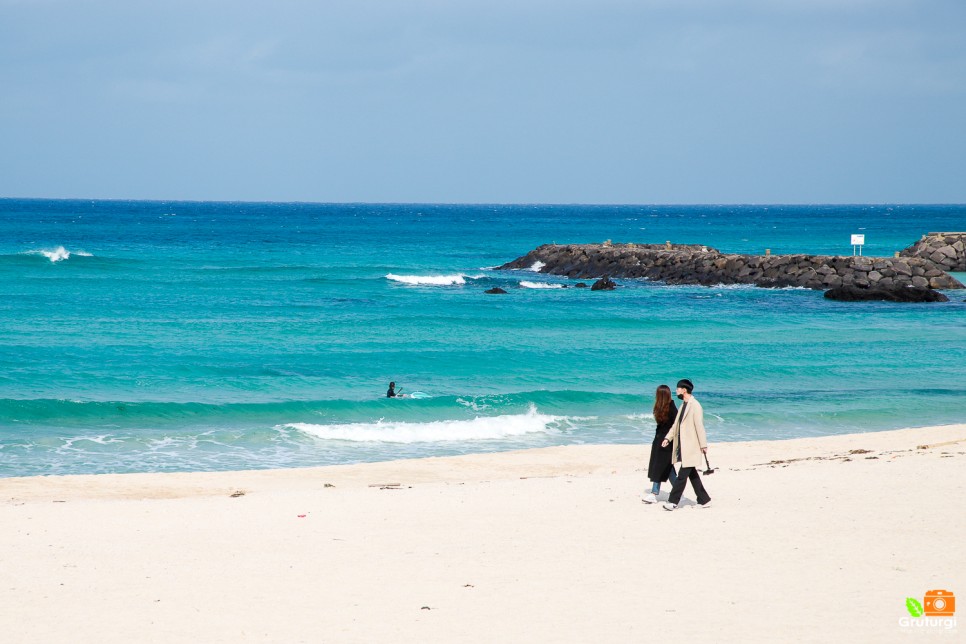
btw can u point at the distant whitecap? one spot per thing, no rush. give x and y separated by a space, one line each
428 280
58 254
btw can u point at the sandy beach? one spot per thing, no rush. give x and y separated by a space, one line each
808 540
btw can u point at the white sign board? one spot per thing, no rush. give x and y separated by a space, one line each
858 240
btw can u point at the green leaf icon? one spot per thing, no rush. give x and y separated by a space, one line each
914 607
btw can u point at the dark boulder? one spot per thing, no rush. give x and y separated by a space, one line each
580 285
496 290
903 294
604 284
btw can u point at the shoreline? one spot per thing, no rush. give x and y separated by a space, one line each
476 466
580 459
809 539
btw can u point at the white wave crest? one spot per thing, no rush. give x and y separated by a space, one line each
540 285
732 287
537 265
479 428
639 416
429 280
58 254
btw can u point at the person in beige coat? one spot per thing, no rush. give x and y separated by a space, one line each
688 443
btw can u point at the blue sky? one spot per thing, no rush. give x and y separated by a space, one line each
572 101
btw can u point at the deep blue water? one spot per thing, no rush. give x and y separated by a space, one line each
157 336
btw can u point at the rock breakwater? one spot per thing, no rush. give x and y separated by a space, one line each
696 264
946 250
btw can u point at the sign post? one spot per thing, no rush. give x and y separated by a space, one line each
857 240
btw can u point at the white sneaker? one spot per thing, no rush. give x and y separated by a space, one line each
668 506
650 498
705 505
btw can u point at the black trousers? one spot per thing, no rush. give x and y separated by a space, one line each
686 474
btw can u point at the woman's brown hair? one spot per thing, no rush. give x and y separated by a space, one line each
662 404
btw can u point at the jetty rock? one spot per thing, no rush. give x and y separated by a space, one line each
946 250
496 290
604 284
698 264
901 294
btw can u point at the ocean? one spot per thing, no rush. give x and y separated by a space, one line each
149 336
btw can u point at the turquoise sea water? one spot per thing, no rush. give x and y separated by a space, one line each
163 336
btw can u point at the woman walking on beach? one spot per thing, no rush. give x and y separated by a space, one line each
660 469
688 442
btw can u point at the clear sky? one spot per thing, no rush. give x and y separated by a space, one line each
563 101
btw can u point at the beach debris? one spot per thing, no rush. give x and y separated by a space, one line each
302 516
860 451
328 485
468 586
425 608
387 486
237 493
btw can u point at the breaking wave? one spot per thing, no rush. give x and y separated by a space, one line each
58 254
429 280
479 428
540 285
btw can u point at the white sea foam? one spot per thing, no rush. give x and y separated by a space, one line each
537 265
540 285
479 428
58 254
429 280
733 287
639 416
472 404
102 439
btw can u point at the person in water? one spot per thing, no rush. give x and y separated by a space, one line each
392 390
660 469
688 443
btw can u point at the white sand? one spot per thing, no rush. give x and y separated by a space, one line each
550 545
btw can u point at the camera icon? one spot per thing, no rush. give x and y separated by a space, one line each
939 603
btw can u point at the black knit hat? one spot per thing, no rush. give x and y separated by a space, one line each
687 384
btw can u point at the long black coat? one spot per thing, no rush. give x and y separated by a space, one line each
660 465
